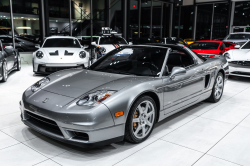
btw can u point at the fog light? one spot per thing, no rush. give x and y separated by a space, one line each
120 113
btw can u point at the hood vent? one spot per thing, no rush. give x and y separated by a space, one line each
66 53
54 53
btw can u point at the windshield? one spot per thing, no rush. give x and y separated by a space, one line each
204 45
112 40
132 61
239 36
61 43
246 46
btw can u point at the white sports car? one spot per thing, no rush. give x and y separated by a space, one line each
106 43
239 60
57 53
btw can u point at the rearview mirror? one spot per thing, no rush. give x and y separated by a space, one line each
37 45
177 71
237 46
8 47
93 43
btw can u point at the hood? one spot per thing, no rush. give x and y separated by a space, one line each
237 42
241 54
74 83
210 51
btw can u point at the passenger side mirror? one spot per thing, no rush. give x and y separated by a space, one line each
37 45
130 43
237 46
93 43
8 47
177 71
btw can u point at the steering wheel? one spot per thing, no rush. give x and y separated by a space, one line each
152 65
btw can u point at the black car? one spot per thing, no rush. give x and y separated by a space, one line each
22 44
9 61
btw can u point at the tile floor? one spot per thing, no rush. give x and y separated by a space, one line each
205 134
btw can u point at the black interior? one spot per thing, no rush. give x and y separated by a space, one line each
178 59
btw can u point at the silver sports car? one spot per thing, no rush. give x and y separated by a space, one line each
122 95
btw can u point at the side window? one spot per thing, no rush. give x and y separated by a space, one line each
179 58
1 46
227 44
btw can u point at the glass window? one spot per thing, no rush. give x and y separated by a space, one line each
220 21
25 6
145 18
116 15
133 20
156 24
204 45
61 43
59 17
132 60
242 14
204 22
246 46
239 36
176 16
80 17
187 20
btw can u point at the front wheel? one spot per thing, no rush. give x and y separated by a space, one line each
141 120
217 88
4 72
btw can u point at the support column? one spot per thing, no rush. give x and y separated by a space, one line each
139 18
212 23
70 19
232 18
161 19
41 20
124 16
179 22
91 29
171 19
107 13
12 25
46 18
151 20
195 20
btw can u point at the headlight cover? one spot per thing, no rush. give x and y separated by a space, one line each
82 54
40 84
227 55
94 99
39 54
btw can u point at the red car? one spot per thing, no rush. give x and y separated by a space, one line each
210 48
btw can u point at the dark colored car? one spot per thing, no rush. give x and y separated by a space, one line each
9 60
21 44
144 40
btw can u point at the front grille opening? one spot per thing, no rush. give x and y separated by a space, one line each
81 136
44 123
241 73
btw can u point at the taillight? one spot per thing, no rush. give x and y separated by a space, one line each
4 46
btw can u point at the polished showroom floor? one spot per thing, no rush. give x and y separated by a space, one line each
203 135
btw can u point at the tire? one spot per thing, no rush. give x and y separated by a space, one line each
217 89
18 63
139 121
4 72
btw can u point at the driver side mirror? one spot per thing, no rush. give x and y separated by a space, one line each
177 71
93 43
37 45
237 46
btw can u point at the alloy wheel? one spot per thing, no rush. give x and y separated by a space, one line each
218 87
143 120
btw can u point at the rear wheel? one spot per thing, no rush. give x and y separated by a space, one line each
217 88
18 63
4 72
141 120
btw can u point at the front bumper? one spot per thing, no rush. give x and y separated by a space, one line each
73 134
239 70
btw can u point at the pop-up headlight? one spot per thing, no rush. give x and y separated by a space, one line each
40 84
94 99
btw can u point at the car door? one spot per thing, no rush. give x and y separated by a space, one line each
10 56
185 89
